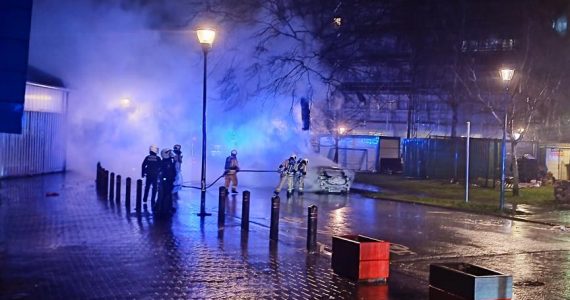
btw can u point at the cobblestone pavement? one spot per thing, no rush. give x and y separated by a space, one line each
75 246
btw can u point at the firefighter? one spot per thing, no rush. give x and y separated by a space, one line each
166 176
150 168
300 173
286 174
230 173
177 153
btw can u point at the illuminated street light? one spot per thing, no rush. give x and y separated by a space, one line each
206 39
506 76
517 134
337 21
125 102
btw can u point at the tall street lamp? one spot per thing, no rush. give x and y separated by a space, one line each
206 38
506 76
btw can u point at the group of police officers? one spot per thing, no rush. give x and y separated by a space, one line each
163 176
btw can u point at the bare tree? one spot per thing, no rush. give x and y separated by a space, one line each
533 89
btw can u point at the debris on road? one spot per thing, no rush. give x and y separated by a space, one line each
559 227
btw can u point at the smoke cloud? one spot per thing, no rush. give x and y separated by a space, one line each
134 83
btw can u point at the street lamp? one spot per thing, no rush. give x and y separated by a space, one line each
206 38
506 76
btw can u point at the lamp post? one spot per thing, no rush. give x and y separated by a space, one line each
506 76
340 131
206 38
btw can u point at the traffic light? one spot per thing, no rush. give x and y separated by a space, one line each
305 114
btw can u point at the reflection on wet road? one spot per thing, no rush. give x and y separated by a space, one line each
78 246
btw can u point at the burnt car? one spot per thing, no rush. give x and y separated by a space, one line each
331 179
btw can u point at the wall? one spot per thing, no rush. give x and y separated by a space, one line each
41 147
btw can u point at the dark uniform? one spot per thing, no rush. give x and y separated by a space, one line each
150 169
167 176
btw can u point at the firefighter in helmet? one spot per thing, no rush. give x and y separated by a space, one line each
231 168
300 173
286 174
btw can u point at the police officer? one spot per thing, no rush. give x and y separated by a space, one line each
231 168
166 177
177 156
286 174
300 173
150 168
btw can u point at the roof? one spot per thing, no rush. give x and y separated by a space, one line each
38 76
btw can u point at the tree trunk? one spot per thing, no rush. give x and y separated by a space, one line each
335 158
515 168
454 120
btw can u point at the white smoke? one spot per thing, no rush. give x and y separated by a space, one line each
132 86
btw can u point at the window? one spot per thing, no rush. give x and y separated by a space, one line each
487 45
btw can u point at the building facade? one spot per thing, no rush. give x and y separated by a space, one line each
41 147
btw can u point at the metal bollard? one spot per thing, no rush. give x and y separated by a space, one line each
118 192
105 183
274 229
128 194
99 181
98 178
222 206
312 229
138 196
245 211
112 187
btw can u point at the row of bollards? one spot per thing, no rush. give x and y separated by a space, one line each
109 188
274 222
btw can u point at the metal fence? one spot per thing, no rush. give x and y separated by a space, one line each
41 147
355 152
444 158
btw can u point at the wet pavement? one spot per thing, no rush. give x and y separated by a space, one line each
556 215
74 245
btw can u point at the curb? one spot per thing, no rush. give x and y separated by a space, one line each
360 191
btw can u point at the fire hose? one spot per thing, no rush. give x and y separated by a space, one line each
224 173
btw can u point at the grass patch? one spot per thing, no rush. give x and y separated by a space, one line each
443 193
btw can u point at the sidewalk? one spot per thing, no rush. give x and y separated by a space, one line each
551 215
72 245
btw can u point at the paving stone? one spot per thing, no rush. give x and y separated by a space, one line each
77 246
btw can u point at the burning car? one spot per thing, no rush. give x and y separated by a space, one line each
331 179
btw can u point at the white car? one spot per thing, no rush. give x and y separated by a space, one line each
331 179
